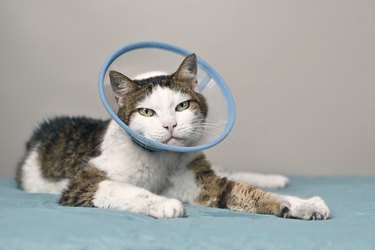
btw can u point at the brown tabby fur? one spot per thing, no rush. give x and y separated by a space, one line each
222 193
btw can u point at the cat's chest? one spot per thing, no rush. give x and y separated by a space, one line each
146 173
124 161
143 169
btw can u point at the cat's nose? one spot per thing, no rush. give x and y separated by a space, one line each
170 126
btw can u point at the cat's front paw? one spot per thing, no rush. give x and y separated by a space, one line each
167 208
310 209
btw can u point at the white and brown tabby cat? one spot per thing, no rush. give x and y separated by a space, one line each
94 163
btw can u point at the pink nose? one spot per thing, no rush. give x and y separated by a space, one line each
170 126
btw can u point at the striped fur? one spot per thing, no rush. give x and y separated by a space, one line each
223 193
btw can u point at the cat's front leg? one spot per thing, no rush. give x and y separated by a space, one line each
92 188
122 196
223 193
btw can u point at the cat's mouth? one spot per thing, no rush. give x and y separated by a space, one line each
175 141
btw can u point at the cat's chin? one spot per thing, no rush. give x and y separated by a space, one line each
174 141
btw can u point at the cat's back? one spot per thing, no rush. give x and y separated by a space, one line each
57 150
68 130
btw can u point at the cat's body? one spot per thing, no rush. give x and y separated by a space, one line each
95 163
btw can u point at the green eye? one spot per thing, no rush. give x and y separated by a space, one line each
146 112
183 105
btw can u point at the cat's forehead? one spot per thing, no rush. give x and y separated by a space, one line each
152 81
163 97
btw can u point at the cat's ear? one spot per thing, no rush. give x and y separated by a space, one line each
187 71
121 84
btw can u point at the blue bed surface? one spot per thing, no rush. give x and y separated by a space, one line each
36 221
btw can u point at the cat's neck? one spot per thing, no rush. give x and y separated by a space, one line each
116 138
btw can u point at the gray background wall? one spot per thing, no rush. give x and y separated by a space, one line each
302 73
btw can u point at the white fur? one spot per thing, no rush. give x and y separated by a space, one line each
312 208
32 179
124 161
183 186
137 176
259 180
164 101
123 196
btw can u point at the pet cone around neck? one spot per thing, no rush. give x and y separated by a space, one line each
141 57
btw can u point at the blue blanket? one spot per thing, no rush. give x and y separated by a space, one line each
36 221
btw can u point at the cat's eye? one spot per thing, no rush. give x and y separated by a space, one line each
183 105
146 112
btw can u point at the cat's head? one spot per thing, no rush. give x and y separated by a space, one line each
164 108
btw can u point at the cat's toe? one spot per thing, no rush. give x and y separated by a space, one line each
313 209
318 208
168 208
316 216
310 209
173 208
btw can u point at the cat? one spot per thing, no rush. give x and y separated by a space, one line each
94 163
